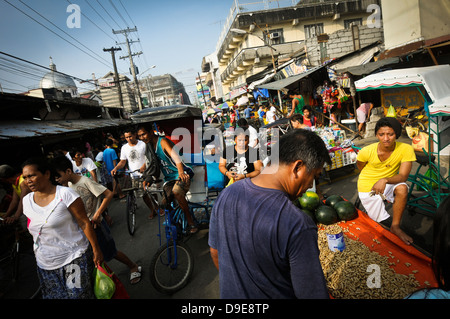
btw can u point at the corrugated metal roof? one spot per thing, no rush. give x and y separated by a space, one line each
155 114
27 129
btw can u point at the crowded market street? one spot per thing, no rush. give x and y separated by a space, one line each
204 284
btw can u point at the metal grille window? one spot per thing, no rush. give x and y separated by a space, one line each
348 23
313 30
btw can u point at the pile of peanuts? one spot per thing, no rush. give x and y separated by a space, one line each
347 272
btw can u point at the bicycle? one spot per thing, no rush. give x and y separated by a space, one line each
131 207
173 263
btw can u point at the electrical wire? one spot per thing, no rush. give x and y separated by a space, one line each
43 67
26 14
60 29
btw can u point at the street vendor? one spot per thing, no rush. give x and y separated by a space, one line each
385 167
297 104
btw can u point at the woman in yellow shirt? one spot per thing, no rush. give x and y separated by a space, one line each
385 167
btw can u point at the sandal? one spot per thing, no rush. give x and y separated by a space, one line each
135 276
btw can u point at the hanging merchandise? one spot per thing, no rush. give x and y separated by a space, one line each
332 74
391 112
326 97
343 97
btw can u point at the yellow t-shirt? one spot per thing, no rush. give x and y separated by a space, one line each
375 169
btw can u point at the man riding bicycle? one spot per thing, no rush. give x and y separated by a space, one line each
176 173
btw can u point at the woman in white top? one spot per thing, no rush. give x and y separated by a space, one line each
61 233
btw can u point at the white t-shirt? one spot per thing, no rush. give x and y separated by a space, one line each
89 192
86 166
270 115
135 155
61 240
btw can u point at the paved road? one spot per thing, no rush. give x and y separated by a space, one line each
204 283
143 244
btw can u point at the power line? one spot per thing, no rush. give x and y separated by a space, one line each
94 24
54 32
126 24
59 28
137 32
108 13
41 66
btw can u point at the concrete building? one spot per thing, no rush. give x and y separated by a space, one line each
411 25
110 93
211 74
166 90
253 41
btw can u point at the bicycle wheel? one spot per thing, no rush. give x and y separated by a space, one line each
167 275
131 212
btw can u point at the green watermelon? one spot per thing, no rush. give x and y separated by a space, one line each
332 200
309 201
326 215
345 210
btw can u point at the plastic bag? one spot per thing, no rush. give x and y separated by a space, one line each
431 174
104 286
391 112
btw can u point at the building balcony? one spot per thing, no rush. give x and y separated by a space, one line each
306 10
247 58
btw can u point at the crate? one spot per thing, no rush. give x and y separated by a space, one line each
340 158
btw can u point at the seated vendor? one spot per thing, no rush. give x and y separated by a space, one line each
308 117
385 167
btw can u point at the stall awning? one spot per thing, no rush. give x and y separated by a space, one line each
435 80
367 68
358 59
281 84
154 114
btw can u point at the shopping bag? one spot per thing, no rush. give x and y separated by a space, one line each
104 286
120 292
391 112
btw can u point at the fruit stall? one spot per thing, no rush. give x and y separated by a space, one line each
360 258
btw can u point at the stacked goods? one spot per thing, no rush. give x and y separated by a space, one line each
334 210
349 272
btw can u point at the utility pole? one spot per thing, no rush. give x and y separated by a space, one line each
125 32
116 75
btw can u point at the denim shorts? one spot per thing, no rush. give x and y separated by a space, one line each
105 241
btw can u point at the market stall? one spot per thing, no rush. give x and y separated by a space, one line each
371 251
436 82
340 153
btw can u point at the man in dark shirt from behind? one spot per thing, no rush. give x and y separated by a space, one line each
262 244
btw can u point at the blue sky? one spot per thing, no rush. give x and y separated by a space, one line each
174 35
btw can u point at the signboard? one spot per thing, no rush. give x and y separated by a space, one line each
107 82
